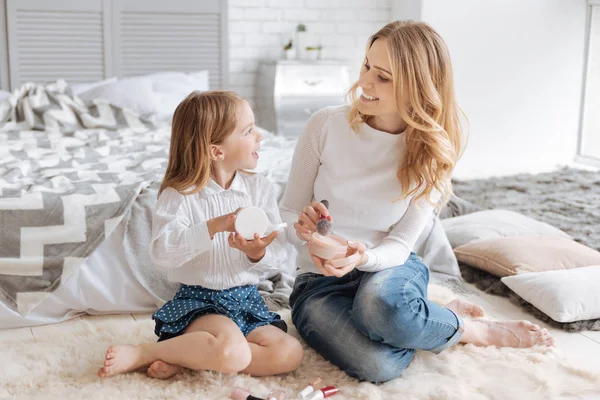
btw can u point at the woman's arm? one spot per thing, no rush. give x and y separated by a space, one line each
395 248
299 191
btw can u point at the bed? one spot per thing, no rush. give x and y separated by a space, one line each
56 53
114 277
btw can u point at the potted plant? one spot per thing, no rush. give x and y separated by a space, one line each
289 51
301 36
313 53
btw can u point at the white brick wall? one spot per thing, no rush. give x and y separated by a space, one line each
258 30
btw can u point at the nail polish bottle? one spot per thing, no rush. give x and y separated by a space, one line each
322 393
312 386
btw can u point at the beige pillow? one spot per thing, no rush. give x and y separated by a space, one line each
522 254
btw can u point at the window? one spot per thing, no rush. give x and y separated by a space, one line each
589 146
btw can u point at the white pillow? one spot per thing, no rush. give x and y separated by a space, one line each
79 88
170 88
154 96
565 295
134 93
171 81
4 95
495 224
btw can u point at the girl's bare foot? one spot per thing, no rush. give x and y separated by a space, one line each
162 370
121 358
505 334
465 308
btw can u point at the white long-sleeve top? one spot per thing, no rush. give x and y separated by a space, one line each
357 173
181 243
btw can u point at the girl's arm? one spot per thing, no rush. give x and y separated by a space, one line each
395 248
299 191
175 240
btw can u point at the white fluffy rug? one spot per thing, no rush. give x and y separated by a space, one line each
64 366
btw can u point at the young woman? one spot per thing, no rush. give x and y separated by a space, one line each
384 164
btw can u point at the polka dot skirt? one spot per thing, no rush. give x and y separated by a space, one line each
242 304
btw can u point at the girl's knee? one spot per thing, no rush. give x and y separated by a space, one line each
233 355
288 354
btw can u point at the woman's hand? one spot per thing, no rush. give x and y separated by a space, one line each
224 223
254 249
307 221
355 257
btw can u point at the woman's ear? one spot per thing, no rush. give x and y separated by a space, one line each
216 154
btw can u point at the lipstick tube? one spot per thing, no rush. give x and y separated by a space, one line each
312 386
323 393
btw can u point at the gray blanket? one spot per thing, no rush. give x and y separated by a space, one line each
63 188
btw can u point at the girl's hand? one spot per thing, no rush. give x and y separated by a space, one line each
224 223
355 257
307 221
254 249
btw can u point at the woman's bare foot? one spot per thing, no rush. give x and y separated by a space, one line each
162 370
121 358
465 308
505 334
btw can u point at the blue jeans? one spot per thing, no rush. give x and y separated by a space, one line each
370 324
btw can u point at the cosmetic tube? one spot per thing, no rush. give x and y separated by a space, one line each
312 386
323 393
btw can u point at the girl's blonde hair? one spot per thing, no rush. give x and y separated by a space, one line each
202 119
420 65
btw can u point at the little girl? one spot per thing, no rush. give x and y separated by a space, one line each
217 319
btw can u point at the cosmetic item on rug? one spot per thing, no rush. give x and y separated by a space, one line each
323 393
239 393
276 395
312 386
324 223
251 220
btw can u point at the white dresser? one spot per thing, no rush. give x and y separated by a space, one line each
289 92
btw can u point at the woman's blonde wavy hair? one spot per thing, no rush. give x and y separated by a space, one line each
420 65
202 119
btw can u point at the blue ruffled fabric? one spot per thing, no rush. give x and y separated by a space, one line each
243 305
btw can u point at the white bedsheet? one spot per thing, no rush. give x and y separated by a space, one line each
104 284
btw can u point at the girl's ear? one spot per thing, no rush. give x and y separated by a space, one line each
215 153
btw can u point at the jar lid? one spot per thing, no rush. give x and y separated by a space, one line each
251 220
